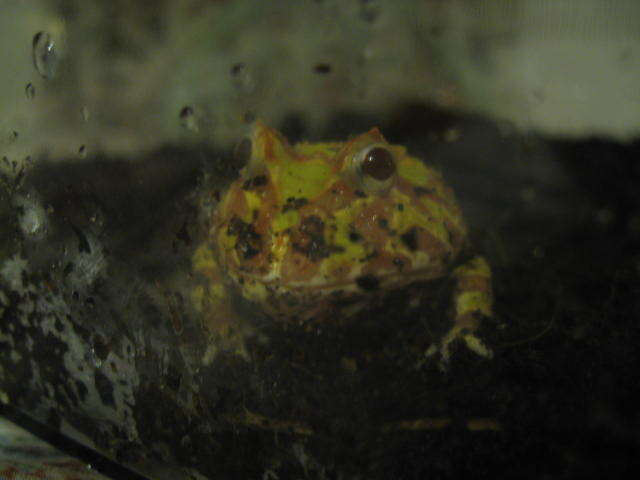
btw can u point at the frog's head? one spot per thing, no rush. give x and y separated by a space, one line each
315 224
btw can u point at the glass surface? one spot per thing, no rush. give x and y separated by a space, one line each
187 293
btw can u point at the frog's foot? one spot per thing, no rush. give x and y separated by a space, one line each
230 341
472 301
458 332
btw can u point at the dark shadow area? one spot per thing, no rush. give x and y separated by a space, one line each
559 222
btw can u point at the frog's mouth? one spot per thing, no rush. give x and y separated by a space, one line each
305 300
369 283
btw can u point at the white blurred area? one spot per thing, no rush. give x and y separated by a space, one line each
125 70
562 67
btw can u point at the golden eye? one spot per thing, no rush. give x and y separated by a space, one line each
375 167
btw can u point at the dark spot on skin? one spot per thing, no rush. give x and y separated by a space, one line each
378 163
360 193
383 223
369 256
294 203
249 241
368 282
355 236
400 207
105 388
423 190
255 182
260 181
398 262
310 240
410 239
322 68
312 225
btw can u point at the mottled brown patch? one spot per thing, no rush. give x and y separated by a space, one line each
298 267
410 239
371 222
293 203
429 243
249 243
255 182
308 238
236 204
341 271
384 262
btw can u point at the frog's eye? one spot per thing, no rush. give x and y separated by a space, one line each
375 167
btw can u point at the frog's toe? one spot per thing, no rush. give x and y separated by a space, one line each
443 347
230 341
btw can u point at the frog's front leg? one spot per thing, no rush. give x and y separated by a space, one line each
211 299
472 300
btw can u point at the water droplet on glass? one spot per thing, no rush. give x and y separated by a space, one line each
44 55
242 77
82 151
30 91
249 117
85 114
188 119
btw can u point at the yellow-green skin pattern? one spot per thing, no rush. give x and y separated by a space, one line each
303 232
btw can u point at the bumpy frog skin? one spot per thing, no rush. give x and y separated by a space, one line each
312 232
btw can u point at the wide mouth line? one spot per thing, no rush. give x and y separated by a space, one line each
400 278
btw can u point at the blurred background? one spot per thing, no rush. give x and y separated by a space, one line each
119 74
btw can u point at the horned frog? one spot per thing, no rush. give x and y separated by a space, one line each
314 231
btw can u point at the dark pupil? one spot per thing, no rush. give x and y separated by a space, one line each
378 163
